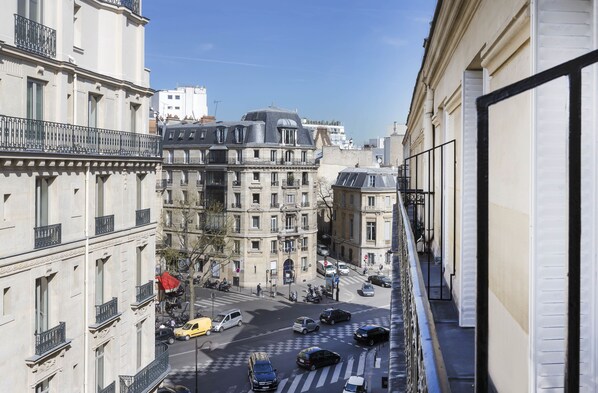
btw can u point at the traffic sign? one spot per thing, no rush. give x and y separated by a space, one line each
365 257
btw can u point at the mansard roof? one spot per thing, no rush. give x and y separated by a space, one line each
384 178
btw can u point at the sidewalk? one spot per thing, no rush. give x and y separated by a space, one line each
376 367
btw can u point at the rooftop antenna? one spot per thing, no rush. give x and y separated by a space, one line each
216 107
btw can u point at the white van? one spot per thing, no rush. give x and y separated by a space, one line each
343 268
226 320
327 270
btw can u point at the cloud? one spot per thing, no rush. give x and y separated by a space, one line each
397 42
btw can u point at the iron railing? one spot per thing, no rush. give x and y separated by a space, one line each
275 183
106 311
235 205
168 201
290 183
304 204
34 37
109 389
142 217
50 339
160 184
34 136
236 183
47 236
132 5
144 292
148 376
275 205
199 183
425 371
104 224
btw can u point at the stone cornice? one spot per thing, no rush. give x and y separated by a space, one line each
24 160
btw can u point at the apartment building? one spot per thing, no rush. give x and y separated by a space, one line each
262 171
77 211
362 215
526 341
182 103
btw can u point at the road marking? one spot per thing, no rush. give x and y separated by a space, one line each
281 385
361 364
310 378
295 383
337 372
349 367
323 377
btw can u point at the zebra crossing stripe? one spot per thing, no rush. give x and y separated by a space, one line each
337 372
349 367
323 377
281 385
295 383
361 364
310 378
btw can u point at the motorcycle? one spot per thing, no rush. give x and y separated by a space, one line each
224 286
293 296
311 298
210 284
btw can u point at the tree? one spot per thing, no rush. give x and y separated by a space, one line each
201 237
325 200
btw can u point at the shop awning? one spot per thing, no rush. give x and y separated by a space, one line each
167 283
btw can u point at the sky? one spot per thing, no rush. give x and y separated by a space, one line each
353 61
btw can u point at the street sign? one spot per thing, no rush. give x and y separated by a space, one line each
365 257
336 279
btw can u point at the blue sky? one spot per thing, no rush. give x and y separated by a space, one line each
349 60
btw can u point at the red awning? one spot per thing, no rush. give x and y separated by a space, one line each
167 283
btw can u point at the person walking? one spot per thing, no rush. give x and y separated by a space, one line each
259 289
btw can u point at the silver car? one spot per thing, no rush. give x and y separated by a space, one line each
342 268
304 325
367 289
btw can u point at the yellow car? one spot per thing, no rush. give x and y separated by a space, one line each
194 328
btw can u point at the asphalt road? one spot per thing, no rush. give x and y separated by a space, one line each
222 357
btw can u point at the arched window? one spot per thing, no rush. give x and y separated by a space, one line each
288 269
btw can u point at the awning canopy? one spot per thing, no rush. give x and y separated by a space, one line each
167 283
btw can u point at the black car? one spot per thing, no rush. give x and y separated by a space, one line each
165 335
314 357
334 315
381 280
174 389
371 334
262 376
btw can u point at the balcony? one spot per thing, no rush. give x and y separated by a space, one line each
168 201
144 293
38 136
106 313
142 217
104 224
168 182
34 37
304 248
275 183
50 340
290 229
109 389
274 230
160 184
131 5
305 227
275 205
47 236
290 183
198 183
150 376
236 183
184 182
304 204
235 205
305 182
237 230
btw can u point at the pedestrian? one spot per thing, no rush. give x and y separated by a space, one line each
365 270
259 289
172 323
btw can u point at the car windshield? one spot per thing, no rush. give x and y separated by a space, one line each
187 326
326 312
218 318
262 368
362 331
349 387
299 321
367 286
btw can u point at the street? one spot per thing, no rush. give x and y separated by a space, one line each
222 357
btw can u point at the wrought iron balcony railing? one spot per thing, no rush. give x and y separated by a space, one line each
236 183
275 204
50 339
145 291
235 205
168 182
38 136
290 183
150 375
34 37
304 204
104 224
132 5
160 184
106 311
47 236
109 389
142 217
184 182
274 229
168 201
275 183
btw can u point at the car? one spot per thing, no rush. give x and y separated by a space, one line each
173 389
227 320
193 328
367 289
333 315
322 250
314 357
371 334
380 279
165 335
305 325
355 384
262 375
342 268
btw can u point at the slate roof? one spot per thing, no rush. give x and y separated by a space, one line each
259 127
385 178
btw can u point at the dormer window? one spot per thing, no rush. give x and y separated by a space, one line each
202 134
372 181
288 136
192 134
220 135
238 135
171 135
181 134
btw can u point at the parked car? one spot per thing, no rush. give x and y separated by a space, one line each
367 289
262 376
174 389
333 315
342 268
380 279
227 320
165 335
322 250
314 357
371 334
193 328
355 384
304 325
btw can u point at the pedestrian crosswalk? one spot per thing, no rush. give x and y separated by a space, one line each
222 300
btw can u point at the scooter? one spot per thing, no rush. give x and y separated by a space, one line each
224 286
210 284
311 298
293 296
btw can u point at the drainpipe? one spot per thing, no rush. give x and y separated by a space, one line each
428 144
85 286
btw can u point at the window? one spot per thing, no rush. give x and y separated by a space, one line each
184 197
185 156
304 178
92 110
255 222
168 219
372 181
236 246
256 154
255 198
42 200
273 155
274 223
288 136
274 178
215 268
274 199
139 268
289 222
35 107
43 386
42 304
177 107
184 177
237 199
387 200
304 200
237 224
255 245
238 135
304 221
237 267
170 135
177 97
100 195
290 198
289 245
387 230
169 156
220 135
100 377
202 134
288 156
304 263
134 113
371 201
256 176
100 280
191 134
304 244
140 179
273 246
139 341
170 96
351 228
303 156
351 199
371 231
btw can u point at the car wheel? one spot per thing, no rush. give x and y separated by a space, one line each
304 331
332 322
187 338
240 323
171 341
317 328
221 329
336 360
371 342
208 332
313 367
349 318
